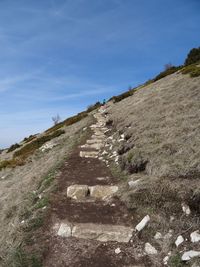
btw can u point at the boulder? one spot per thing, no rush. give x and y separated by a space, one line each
188 255
103 232
102 191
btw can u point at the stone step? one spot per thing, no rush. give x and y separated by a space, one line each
99 232
94 141
93 146
100 192
89 154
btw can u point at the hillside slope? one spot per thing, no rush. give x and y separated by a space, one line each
162 125
147 145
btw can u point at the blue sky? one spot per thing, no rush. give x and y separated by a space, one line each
59 56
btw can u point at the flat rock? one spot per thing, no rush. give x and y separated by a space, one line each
102 191
150 250
77 192
64 230
179 240
188 255
103 233
88 154
94 141
195 236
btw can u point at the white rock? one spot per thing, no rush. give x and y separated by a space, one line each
150 250
77 191
103 191
122 136
195 236
179 240
117 250
64 230
165 260
186 209
133 183
190 254
143 223
158 235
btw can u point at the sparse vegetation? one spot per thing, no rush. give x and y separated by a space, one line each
68 121
175 261
56 119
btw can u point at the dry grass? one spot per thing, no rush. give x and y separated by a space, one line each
162 120
20 182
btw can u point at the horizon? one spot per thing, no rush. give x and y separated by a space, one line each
58 57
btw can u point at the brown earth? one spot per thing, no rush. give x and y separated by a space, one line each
58 251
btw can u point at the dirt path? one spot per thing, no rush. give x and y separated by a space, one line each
87 224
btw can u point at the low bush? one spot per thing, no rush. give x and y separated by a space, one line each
68 121
30 138
29 148
166 72
193 70
122 96
11 163
193 56
93 107
13 147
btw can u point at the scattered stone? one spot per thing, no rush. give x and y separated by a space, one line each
188 255
117 250
195 236
102 233
179 240
47 146
150 250
186 209
103 191
143 223
158 236
165 260
64 230
77 192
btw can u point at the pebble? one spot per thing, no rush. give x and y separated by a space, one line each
179 240
143 223
117 250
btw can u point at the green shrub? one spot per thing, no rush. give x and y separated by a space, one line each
13 147
30 138
93 107
193 70
193 56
